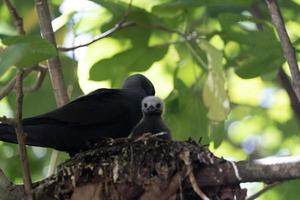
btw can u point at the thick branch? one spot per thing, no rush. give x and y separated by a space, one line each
261 170
55 68
21 137
282 77
288 49
54 63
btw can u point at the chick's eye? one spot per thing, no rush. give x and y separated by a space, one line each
158 105
145 105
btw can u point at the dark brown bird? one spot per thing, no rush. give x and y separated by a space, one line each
104 113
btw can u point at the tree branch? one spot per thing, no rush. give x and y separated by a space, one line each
20 135
286 84
288 49
20 27
282 77
17 19
261 170
265 189
39 80
106 34
4 91
54 63
55 68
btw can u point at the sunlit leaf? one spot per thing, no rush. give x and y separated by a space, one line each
24 51
186 113
260 52
126 61
214 92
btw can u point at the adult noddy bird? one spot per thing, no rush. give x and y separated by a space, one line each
77 125
152 122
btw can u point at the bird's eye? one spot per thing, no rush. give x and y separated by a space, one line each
158 105
145 105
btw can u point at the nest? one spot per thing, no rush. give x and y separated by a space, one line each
145 168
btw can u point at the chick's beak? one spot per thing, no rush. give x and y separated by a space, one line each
151 108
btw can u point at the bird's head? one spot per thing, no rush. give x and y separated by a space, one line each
152 105
139 82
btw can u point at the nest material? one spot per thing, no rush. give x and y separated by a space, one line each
146 168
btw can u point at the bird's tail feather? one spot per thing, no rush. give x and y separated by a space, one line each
7 133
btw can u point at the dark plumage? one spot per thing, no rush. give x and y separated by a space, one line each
75 126
151 122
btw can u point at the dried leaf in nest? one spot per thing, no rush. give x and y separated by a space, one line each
147 168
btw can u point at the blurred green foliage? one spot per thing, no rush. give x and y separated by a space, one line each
214 62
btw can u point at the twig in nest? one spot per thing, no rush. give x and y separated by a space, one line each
185 156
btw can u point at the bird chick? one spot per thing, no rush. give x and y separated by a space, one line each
152 122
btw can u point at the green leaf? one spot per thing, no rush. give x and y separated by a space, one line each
44 97
260 51
138 35
10 56
287 190
24 51
174 8
216 132
215 94
186 113
130 60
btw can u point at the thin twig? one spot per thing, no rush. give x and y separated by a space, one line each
107 33
20 135
288 49
265 189
286 84
38 82
4 91
118 27
17 19
126 14
162 28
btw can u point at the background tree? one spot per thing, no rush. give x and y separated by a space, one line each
218 65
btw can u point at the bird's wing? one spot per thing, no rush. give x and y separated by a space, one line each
100 106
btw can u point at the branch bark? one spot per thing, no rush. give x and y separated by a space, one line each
287 47
17 19
21 137
261 170
55 68
106 34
